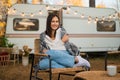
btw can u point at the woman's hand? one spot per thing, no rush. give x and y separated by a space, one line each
45 50
65 38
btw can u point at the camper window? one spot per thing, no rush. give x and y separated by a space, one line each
106 26
25 24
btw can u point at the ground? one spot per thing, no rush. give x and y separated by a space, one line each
20 72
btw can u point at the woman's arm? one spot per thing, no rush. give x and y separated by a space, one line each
64 35
65 38
43 45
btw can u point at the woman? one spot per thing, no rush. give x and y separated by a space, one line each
54 42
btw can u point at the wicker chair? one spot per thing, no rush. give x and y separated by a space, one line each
60 71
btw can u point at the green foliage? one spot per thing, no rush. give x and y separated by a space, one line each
10 45
4 42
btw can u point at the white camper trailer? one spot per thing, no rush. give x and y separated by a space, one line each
91 29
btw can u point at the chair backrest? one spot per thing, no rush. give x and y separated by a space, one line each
36 50
37 45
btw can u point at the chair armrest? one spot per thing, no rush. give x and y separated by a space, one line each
39 54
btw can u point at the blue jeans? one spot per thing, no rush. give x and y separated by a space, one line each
60 59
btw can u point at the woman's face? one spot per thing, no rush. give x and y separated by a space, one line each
55 23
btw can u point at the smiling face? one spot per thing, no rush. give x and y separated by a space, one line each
54 23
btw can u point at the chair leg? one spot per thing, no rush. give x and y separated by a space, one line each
36 78
59 76
50 76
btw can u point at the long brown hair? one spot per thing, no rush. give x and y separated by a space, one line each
48 24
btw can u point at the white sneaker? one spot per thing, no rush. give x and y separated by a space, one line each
82 62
